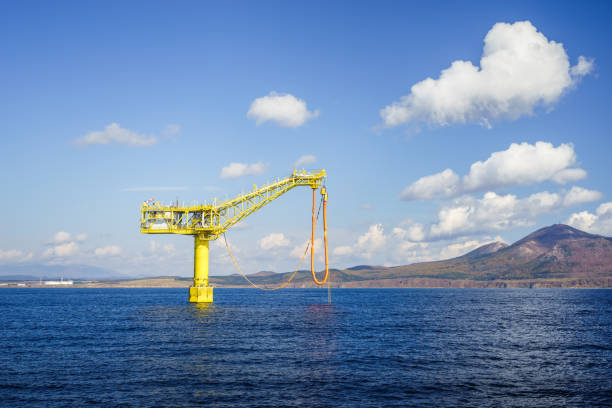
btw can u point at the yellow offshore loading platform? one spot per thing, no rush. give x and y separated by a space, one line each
208 222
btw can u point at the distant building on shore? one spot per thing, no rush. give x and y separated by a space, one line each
59 282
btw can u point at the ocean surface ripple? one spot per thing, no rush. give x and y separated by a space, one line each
369 348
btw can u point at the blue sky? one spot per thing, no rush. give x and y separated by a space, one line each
106 104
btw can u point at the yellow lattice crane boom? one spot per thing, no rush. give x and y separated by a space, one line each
208 222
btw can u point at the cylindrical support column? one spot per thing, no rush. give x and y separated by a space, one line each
200 261
200 291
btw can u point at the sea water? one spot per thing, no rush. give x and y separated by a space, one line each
369 348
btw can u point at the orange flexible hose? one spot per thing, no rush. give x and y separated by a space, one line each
310 244
314 277
325 234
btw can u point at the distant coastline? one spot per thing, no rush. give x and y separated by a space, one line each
557 256
416 283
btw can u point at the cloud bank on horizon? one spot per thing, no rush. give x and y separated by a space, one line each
461 221
496 212
519 165
15 256
520 70
65 248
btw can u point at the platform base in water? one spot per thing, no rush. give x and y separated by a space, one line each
201 294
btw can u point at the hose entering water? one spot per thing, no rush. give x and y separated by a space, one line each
308 245
314 276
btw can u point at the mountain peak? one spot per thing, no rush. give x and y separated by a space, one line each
549 236
365 267
262 273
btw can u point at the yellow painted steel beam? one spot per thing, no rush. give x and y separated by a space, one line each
209 221
212 220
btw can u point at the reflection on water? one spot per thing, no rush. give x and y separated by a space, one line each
203 307
369 348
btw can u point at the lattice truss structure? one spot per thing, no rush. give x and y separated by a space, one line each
209 221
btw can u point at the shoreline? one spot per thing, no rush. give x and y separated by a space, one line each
405 283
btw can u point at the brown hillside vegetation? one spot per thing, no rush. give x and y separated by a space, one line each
555 256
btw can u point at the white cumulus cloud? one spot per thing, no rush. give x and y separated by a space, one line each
370 242
598 223
520 69
343 250
108 250
298 250
490 213
62 250
64 244
494 212
373 239
413 233
578 195
235 170
583 67
304 160
523 164
583 220
61 236
274 240
400 246
14 255
283 109
520 164
568 175
114 133
443 184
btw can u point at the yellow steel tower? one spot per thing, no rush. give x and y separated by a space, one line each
209 221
